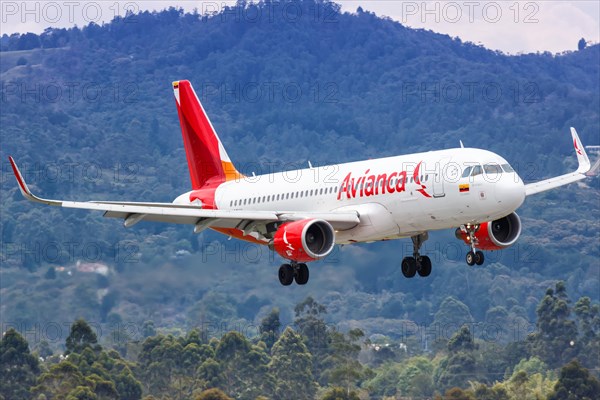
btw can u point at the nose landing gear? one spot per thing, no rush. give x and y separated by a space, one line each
474 256
417 263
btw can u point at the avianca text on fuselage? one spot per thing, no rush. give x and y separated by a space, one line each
373 185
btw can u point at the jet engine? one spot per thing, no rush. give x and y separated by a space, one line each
304 240
495 235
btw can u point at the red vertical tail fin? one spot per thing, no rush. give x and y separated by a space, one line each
207 159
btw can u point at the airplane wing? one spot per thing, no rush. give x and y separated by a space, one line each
584 167
133 212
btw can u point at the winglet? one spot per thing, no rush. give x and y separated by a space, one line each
25 189
582 157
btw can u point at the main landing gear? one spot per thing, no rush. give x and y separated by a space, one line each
293 271
474 256
417 263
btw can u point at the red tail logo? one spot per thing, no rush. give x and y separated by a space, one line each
577 149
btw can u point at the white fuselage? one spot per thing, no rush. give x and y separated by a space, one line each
391 199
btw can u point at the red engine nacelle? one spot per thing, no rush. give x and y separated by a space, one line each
305 240
495 235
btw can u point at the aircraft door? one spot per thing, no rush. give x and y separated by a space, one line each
442 173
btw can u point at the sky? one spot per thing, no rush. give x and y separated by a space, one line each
510 26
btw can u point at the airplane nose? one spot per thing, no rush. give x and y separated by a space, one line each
510 191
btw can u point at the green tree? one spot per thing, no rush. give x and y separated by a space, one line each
588 322
81 337
291 368
50 273
128 387
82 393
148 329
343 367
575 383
415 378
451 315
310 323
60 380
169 364
269 328
338 393
460 366
213 394
18 367
483 392
458 394
531 366
452 312
243 366
555 340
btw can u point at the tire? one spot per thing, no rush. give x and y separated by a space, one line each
409 267
286 274
479 257
470 258
301 274
425 269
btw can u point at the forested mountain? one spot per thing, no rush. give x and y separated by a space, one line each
89 114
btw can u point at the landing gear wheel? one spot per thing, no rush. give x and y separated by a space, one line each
301 274
409 267
425 269
470 258
286 274
479 258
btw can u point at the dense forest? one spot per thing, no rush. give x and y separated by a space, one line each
312 360
88 114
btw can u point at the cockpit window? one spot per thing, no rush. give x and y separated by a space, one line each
477 170
492 169
507 168
467 172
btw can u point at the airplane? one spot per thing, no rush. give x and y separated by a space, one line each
303 214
